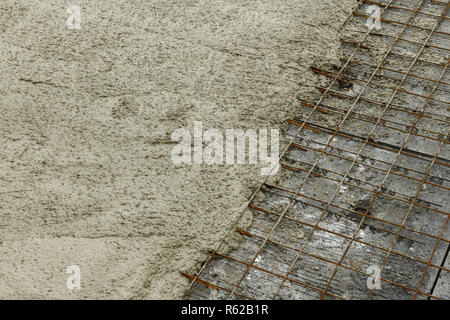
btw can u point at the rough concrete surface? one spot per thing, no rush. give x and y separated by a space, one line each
86 120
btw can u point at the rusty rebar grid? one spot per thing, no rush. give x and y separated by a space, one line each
345 179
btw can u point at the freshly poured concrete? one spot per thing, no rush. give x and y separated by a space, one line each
86 119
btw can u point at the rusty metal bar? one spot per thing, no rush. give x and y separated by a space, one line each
373 160
351 211
376 102
269 212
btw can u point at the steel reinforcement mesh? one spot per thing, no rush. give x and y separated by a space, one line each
363 209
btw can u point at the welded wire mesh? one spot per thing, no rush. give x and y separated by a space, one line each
368 177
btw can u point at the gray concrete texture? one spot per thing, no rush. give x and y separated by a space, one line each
86 119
